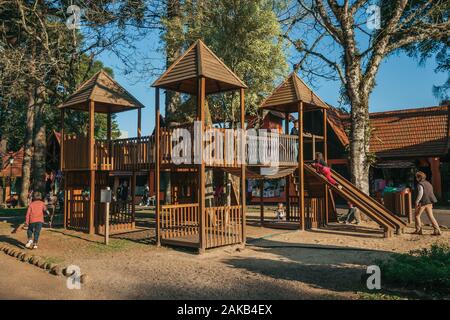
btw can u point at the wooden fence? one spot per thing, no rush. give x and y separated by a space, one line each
179 221
77 211
223 226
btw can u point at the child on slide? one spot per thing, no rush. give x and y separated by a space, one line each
322 167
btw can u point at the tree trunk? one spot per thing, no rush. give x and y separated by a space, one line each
28 147
39 155
359 135
172 99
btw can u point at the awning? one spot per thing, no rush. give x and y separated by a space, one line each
263 173
394 164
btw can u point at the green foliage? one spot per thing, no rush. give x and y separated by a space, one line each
426 269
245 35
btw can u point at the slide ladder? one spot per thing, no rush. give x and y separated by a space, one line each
366 204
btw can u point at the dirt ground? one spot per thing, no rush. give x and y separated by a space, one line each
276 264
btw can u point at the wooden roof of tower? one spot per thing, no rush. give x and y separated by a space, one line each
287 95
108 95
199 60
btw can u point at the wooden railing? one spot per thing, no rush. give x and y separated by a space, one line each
178 221
132 154
121 213
314 211
262 150
139 153
223 226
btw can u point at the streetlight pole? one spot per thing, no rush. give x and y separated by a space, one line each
11 162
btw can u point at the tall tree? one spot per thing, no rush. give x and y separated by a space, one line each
348 40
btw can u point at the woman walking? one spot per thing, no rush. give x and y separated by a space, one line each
424 202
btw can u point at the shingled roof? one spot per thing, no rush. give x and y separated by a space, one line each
287 95
108 95
420 132
411 133
199 60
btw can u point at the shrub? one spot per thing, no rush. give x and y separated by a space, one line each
425 269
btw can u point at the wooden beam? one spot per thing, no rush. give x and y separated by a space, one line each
201 168
61 157
325 155
157 167
287 179
108 137
91 165
61 165
261 202
243 166
139 123
301 173
436 179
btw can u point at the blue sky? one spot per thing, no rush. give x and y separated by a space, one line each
401 84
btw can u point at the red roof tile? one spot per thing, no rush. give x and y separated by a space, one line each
412 132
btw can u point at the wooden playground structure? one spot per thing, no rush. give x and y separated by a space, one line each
194 217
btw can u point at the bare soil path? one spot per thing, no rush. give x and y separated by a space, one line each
276 264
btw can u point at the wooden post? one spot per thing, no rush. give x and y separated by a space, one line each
201 167
139 123
287 179
107 220
61 158
325 156
157 168
313 146
261 202
301 173
243 166
133 195
61 167
91 166
436 180
108 138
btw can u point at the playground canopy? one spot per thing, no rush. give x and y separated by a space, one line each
108 95
287 95
199 61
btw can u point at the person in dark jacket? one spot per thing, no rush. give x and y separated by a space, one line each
424 202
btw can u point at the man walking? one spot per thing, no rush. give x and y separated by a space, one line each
424 202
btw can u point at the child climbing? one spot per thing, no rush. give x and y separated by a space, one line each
322 167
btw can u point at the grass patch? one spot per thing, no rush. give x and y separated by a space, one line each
379 296
426 270
54 260
13 212
115 245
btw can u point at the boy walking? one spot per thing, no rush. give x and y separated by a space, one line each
34 219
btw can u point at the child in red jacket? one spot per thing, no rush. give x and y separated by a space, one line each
322 167
34 220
